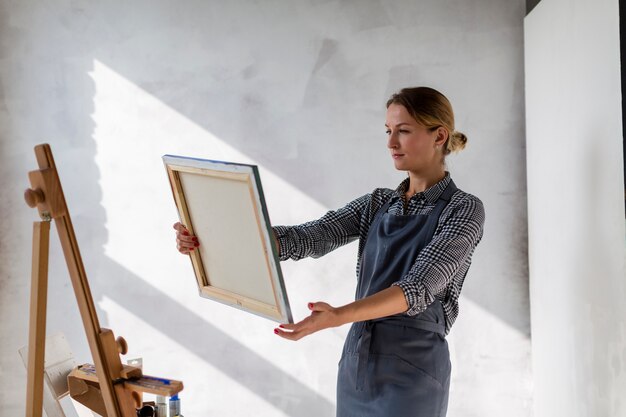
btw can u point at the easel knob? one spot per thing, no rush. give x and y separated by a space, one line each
122 346
34 197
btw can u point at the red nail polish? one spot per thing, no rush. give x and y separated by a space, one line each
185 233
275 331
310 305
281 326
196 244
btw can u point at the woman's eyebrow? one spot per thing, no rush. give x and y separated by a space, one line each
399 124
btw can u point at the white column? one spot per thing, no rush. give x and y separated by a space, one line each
576 208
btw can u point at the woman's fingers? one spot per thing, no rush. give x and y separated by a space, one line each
178 226
297 335
320 306
295 331
189 241
185 242
323 316
182 232
185 246
184 251
288 326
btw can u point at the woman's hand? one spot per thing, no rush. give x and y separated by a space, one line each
387 302
322 316
185 241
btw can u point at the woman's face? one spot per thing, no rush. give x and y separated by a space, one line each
413 147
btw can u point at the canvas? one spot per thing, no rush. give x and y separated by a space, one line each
236 263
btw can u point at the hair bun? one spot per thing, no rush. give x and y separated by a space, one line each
456 142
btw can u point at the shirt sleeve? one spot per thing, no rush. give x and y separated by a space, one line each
444 257
318 237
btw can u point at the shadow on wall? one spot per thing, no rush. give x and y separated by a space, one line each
280 390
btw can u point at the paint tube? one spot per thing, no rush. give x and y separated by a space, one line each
161 405
175 406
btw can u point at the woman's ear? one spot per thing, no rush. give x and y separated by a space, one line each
442 136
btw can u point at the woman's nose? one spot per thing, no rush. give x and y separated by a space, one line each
392 141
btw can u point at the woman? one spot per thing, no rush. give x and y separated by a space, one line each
415 248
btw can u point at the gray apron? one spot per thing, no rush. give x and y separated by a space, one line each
399 365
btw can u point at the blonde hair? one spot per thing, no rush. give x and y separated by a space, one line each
431 109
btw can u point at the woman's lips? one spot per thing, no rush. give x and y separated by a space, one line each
397 155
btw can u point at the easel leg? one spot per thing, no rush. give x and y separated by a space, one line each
37 320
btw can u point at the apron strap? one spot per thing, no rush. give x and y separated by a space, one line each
415 323
442 201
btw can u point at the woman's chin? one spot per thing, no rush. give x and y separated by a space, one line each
399 165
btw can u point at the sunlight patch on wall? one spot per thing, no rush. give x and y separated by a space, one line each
133 130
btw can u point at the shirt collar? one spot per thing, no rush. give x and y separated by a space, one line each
431 194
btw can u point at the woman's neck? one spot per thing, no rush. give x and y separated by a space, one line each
421 181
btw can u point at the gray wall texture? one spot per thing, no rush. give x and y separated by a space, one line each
297 87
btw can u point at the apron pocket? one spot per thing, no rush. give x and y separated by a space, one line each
397 370
423 350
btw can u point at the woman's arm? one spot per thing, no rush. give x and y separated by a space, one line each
431 273
318 237
385 303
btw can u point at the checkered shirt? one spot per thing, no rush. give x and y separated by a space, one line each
441 266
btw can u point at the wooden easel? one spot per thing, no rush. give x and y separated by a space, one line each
115 389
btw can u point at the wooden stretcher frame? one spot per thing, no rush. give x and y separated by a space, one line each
222 203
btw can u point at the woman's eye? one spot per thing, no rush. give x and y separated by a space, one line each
403 131
388 132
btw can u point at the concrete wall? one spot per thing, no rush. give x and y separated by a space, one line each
576 208
298 88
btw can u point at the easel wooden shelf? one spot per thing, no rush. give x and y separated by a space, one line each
108 387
